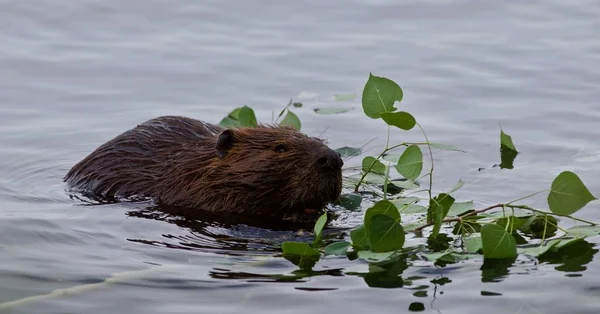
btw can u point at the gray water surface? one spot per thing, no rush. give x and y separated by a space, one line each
74 74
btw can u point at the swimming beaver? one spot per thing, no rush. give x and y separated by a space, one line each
271 171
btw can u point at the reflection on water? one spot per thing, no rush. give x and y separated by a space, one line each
573 258
300 275
231 235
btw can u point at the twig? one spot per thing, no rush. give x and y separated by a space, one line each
554 214
459 218
479 211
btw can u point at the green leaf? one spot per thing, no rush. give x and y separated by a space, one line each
232 119
378 179
537 225
318 229
404 184
552 245
441 256
412 226
517 212
510 223
535 251
385 233
402 120
568 194
235 113
328 111
350 201
465 227
584 231
379 96
405 200
370 178
337 248
345 97
508 152
383 207
456 187
228 122
439 208
410 164
561 243
359 238
497 243
373 164
393 158
348 151
291 119
474 218
507 157
473 244
301 254
458 208
376 257
247 117
406 205
411 209
506 140
284 109
307 95
445 147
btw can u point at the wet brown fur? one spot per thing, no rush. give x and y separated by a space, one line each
176 160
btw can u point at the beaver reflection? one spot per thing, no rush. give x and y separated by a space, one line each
265 171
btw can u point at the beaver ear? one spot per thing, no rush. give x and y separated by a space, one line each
224 142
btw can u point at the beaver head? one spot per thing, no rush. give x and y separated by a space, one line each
266 170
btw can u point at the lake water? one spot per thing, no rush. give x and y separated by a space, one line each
73 74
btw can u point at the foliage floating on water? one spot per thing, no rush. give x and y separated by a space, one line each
496 232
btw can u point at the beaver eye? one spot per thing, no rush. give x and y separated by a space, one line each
280 148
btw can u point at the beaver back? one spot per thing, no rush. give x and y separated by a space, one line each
131 163
265 170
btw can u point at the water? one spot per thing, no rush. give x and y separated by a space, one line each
73 74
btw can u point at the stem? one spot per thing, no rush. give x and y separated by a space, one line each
360 149
524 197
558 227
413 192
406 144
545 228
385 182
431 158
387 142
387 170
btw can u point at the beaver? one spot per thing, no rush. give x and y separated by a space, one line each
268 170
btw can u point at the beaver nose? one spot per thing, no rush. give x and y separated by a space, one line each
330 159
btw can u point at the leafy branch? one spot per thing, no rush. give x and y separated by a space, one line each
491 231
